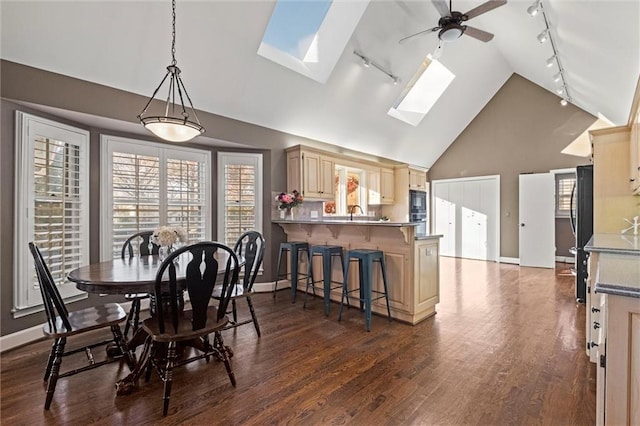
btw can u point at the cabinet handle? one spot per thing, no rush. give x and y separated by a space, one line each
594 310
596 325
593 344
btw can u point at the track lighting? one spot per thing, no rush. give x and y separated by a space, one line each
543 36
551 61
547 35
368 63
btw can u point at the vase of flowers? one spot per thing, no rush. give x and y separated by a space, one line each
167 237
286 203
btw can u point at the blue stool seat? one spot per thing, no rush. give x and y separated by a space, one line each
366 259
328 253
294 248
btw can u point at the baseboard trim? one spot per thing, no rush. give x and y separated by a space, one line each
513 260
565 259
268 287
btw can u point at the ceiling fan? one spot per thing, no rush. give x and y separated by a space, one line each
450 22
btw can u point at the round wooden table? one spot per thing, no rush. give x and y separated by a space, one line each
134 275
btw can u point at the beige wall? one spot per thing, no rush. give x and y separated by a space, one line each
521 130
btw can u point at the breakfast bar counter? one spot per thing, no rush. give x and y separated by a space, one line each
412 263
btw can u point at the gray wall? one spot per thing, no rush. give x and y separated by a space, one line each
521 130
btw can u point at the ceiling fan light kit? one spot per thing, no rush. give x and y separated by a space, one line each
450 27
174 125
554 59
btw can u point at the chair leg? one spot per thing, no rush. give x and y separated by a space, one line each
253 315
118 338
168 377
386 290
219 344
234 311
275 288
52 355
130 316
150 349
136 315
55 371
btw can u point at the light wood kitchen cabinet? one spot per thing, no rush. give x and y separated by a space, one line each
635 153
381 186
311 173
417 179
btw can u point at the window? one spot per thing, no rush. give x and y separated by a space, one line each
564 188
240 198
148 185
52 206
350 190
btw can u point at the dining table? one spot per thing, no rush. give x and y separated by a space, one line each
136 275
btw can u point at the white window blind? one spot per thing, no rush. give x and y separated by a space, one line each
564 186
239 200
150 185
52 206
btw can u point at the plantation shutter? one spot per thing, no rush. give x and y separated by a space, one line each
239 204
135 196
564 186
186 199
146 185
52 204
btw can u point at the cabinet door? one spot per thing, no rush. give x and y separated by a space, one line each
427 275
311 175
373 179
327 176
417 180
386 186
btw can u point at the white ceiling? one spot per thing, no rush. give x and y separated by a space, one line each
126 45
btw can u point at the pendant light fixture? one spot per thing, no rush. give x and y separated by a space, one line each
174 125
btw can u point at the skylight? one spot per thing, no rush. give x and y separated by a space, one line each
308 36
294 26
422 92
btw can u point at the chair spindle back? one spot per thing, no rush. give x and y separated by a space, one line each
250 245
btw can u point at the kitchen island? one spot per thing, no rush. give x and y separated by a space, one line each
412 263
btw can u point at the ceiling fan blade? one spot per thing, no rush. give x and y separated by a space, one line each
442 7
418 34
479 34
485 7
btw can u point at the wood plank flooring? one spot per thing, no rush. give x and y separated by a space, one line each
506 348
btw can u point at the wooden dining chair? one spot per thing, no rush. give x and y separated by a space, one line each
251 246
62 324
207 264
141 245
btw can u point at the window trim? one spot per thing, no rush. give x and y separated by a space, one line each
109 143
26 300
556 175
250 158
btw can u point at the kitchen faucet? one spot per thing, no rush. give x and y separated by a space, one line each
353 207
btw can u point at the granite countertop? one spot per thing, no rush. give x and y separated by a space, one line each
345 222
614 243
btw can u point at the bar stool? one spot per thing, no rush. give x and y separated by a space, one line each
365 258
328 253
294 248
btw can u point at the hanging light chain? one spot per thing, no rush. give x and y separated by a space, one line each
173 33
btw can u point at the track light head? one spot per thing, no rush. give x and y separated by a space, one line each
557 77
534 9
551 61
366 62
560 90
543 36
564 101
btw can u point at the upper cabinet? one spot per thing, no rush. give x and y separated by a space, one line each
310 172
381 186
417 179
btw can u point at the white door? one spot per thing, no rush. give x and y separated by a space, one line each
466 214
537 220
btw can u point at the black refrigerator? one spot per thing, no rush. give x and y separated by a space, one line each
582 224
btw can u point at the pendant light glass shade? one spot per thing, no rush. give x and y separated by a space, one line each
174 125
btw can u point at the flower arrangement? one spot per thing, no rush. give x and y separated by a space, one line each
169 235
287 201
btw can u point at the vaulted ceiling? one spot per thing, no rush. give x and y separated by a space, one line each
126 45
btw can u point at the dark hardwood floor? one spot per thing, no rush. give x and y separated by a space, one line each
506 347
